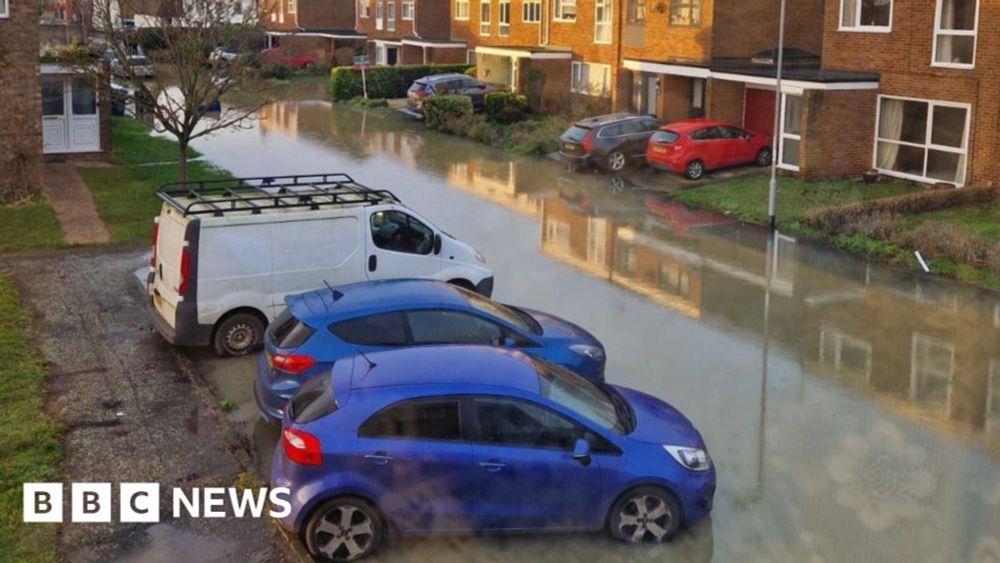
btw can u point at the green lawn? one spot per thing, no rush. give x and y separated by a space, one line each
746 198
132 144
126 195
29 441
29 226
982 220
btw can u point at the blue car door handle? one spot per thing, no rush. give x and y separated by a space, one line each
379 458
492 466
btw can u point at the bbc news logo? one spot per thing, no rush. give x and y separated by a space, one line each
140 502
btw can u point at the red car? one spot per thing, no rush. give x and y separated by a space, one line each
284 57
693 146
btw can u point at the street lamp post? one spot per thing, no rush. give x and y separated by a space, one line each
772 191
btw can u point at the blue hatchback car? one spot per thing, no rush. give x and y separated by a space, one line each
320 327
469 439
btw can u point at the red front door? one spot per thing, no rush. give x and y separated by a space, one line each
758 112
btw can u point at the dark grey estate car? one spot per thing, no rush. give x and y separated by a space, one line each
454 84
610 141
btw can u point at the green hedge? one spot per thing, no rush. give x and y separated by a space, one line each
383 81
505 107
440 111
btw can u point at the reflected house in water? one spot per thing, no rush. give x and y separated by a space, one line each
499 181
280 117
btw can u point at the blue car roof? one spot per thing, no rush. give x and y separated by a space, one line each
321 306
447 365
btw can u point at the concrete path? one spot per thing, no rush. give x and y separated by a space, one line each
73 204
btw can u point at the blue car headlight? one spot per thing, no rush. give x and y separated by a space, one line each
588 351
694 459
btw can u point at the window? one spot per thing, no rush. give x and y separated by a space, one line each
291 6
511 422
84 97
685 13
379 15
955 33
384 329
565 10
635 11
52 96
365 8
706 134
484 17
591 79
531 11
602 21
422 419
313 400
289 332
503 26
452 327
391 16
581 396
931 368
866 15
380 52
791 131
397 231
845 354
408 10
922 140
461 9
4 9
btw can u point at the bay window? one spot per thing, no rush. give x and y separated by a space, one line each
865 15
461 9
955 33
484 17
922 140
565 10
602 21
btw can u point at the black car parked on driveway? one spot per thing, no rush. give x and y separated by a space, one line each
454 84
610 141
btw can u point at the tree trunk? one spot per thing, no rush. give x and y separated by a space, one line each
182 163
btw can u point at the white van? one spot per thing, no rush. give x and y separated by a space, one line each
227 252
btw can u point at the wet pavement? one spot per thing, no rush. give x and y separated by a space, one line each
853 410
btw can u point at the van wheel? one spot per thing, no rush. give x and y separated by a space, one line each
238 335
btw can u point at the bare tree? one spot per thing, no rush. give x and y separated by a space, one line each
188 80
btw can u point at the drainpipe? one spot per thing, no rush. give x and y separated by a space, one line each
416 33
772 191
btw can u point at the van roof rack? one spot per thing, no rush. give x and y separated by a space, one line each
308 191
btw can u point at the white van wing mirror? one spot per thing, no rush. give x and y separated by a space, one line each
437 243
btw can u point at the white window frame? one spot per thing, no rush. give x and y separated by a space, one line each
784 135
531 11
577 69
857 28
558 8
379 14
485 25
458 12
950 375
364 9
381 54
839 339
408 10
4 9
292 6
503 27
964 151
938 32
390 15
609 7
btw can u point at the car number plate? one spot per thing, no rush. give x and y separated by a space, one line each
659 149
569 147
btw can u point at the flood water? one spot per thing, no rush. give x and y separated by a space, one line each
852 410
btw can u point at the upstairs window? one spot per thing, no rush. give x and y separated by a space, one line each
602 21
291 6
503 27
484 17
391 16
4 9
365 8
565 10
379 14
955 33
685 13
461 9
531 11
408 10
635 11
866 15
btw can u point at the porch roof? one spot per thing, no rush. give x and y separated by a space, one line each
331 33
525 52
435 43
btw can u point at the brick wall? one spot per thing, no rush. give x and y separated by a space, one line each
664 42
433 20
837 133
745 27
20 90
326 14
724 100
403 28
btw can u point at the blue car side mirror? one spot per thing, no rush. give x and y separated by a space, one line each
581 451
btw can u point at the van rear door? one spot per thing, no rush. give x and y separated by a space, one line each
167 261
399 245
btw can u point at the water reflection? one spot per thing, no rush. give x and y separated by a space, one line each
853 410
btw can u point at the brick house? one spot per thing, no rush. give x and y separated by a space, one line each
409 32
554 51
325 29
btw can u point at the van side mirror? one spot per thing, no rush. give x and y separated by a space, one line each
581 451
437 244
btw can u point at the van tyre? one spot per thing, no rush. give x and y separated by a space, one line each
645 515
344 529
694 170
238 335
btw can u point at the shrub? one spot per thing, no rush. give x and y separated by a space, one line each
940 239
383 81
471 71
439 111
536 86
881 225
505 107
369 103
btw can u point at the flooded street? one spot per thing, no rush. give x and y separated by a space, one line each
853 411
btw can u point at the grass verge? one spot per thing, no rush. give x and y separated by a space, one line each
131 143
126 195
31 225
29 441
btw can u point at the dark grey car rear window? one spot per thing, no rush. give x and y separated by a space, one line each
576 133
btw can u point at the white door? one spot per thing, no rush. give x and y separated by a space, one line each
70 122
400 245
